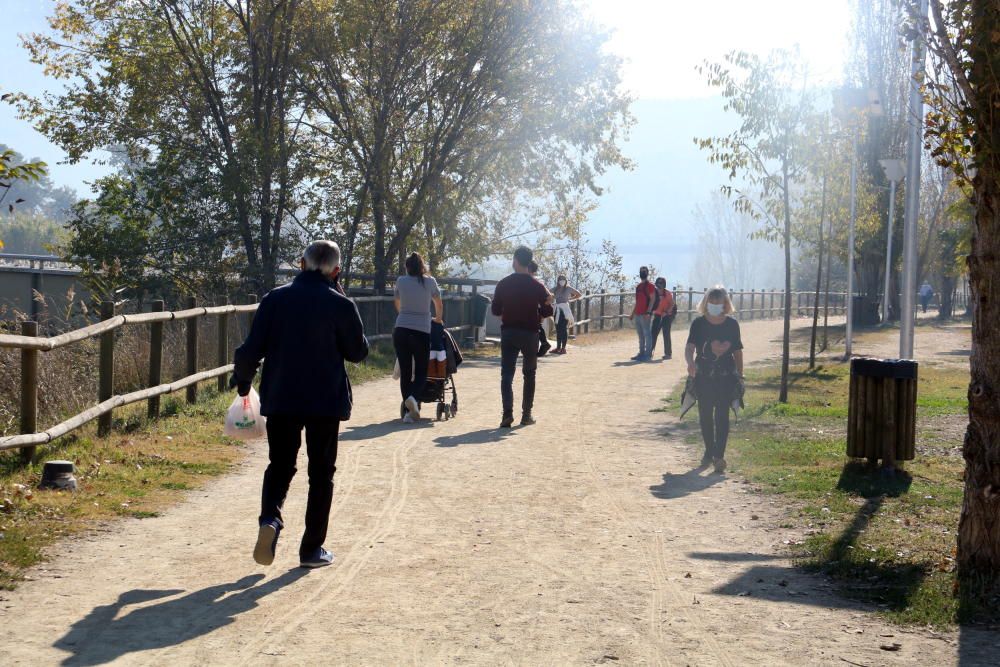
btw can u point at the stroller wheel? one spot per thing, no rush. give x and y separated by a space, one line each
454 407
442 412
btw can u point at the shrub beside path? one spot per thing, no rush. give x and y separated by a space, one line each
584 539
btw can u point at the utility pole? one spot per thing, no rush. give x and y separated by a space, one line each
914 152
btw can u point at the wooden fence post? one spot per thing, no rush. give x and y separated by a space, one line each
740 306
106 382
155 360
192 349
577 315
602 313
770 305
248 320
475 320
691 303
222 382
29 389
752 293
586 312
621 310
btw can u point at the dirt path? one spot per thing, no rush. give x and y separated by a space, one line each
583 539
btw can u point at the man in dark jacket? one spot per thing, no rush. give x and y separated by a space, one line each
304 331
520 302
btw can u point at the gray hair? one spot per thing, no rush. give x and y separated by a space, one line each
322 256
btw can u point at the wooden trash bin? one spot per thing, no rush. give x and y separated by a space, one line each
882 410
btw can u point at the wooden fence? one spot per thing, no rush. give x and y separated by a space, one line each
377 312
610 310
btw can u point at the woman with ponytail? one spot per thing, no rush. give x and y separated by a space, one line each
414 293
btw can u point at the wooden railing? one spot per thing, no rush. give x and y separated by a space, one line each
611 309
377 313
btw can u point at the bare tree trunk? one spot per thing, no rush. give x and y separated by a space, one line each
947 305
787 328
381 261
819 277
979 526
826 289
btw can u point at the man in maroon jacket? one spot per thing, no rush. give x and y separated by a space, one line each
521 302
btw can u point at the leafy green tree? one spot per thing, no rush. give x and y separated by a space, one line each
878 65
11 174
204 86
964 131
39 196
448 115
30 233
767 154
159 230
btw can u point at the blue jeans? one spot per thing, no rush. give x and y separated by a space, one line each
643 326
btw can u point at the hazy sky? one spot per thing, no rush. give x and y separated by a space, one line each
647 211
663 40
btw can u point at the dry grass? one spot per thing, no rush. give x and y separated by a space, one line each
140 470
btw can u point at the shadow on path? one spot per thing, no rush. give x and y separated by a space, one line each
678 486
382 429
481 437
105 635
862 578
733 557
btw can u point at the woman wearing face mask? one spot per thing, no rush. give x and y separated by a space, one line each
564 295
714 354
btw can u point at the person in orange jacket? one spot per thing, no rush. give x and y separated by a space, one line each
663 317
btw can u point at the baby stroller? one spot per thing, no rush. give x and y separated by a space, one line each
444 362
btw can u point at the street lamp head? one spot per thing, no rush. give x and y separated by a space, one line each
846 100
894 169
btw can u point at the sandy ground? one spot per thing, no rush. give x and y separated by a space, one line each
587 538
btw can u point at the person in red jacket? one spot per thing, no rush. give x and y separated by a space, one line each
663 317
520 302
642 315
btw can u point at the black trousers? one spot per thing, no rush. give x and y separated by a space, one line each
715 394
512 343
562 330
284 437
662 323
413 350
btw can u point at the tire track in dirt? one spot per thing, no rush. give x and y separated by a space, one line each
664 595
278 627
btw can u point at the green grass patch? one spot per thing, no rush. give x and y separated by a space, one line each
889 542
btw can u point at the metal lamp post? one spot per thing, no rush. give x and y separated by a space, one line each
894 172
914 151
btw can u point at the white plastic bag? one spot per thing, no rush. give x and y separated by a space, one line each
243 419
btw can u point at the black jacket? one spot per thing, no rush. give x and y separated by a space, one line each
304 331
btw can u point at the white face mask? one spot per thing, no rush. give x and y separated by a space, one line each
715 309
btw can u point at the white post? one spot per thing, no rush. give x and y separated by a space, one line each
908 301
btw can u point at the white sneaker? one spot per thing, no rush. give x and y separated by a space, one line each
407 419
413 407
